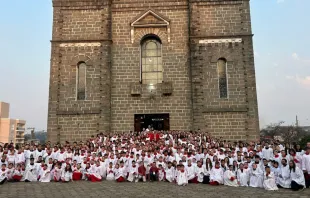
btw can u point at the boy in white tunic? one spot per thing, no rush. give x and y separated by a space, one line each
200 172
243 176
191 172
269 180
181 176
216 175
284 179
230 177
45 175
31 172
133 172
170 173
3 174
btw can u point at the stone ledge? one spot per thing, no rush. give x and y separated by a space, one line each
78 112
221 110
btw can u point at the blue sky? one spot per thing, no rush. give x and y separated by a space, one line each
282 59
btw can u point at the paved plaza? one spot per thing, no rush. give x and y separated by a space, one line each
135 190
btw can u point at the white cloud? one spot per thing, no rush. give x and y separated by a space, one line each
303 81
295 56
280 1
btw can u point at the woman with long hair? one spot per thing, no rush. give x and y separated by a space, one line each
206 170
297 176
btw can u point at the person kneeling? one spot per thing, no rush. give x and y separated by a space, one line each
45 175
297 176
216 175
154 172
133 173
66 174
181 176
269 180
230 177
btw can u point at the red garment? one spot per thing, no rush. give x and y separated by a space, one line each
142 170
76 176
92 178
214 183
120 179
157 136
154 169
151 136
17 177
194 180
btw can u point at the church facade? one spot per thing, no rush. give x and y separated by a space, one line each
124 65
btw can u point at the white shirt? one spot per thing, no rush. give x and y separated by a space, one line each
306 163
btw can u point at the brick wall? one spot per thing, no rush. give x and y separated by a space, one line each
126 65
100 33
81 32
235 117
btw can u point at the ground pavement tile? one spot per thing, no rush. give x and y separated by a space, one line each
136 190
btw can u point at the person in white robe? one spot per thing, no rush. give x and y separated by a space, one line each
170 173
200 172
306 166
297 177
230 177
216 175
181 177
191 172
66 174
256 177
20 157
276 170
56 173
284 179
18 173
45 175
31 172
3 174
161 173
207 167
243 176
94 173
296 158
267 152
10 172
110 172
269 180
133 172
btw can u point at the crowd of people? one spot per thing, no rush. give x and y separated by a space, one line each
172 157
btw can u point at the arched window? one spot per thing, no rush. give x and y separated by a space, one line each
151 61
81 81
222 75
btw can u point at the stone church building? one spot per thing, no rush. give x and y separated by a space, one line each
124 65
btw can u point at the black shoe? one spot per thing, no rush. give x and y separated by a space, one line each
27 180
2 182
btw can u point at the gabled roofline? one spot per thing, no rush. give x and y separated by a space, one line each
159 16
